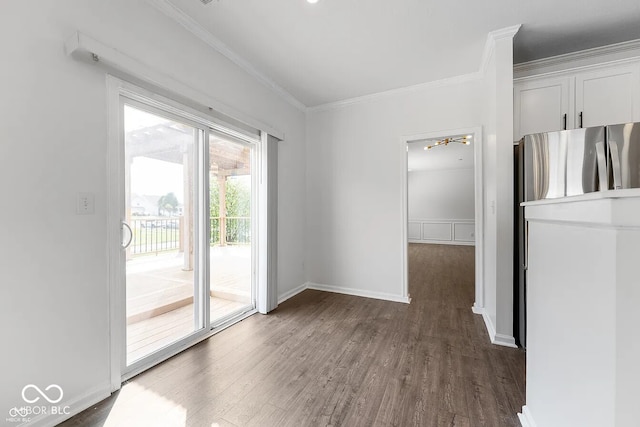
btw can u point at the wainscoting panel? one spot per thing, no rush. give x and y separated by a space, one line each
442 231
436 231
464 232
414 231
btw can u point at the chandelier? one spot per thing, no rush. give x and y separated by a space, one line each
465 140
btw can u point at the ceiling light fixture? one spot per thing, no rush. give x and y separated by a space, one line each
312 1
464 140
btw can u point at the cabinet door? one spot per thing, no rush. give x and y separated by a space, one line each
541 105
608 96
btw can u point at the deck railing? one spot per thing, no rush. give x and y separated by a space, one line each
153 235
237 230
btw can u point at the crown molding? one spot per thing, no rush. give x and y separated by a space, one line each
180 17
618 51
492 37
506 32
464 78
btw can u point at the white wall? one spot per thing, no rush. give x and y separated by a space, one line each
441 206
53 280
497 306
441 194
354 181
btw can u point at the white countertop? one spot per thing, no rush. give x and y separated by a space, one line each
613 208
597 195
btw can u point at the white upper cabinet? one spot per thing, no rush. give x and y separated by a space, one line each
601 96
541 105
608 96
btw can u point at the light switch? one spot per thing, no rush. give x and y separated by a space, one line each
85 204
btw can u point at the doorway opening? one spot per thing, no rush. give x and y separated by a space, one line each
443 198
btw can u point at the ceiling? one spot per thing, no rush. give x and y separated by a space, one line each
452 156
340 49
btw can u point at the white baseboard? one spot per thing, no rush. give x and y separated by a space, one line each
477 310
359 292
504 340
443 242
76 405
526 420
292 293
342 290
491 330
497 339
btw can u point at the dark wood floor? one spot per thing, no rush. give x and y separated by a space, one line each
324 359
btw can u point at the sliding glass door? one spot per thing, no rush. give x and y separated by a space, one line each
188 229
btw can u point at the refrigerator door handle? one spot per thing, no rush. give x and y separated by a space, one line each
525 264
601 159
615 165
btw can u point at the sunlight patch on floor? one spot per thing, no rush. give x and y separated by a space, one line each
139 406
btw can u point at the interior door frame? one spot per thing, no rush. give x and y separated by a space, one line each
116 90
478 305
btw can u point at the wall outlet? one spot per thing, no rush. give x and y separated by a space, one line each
85 204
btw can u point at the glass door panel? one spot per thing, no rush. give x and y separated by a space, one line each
230 216
161 260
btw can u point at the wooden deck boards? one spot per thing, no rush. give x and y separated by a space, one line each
152 334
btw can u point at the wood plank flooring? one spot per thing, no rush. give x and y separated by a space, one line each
324 359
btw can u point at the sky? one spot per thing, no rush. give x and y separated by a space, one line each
151 177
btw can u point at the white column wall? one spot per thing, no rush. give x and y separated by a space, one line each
498 169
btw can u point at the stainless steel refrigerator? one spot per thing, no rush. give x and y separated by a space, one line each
562 164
